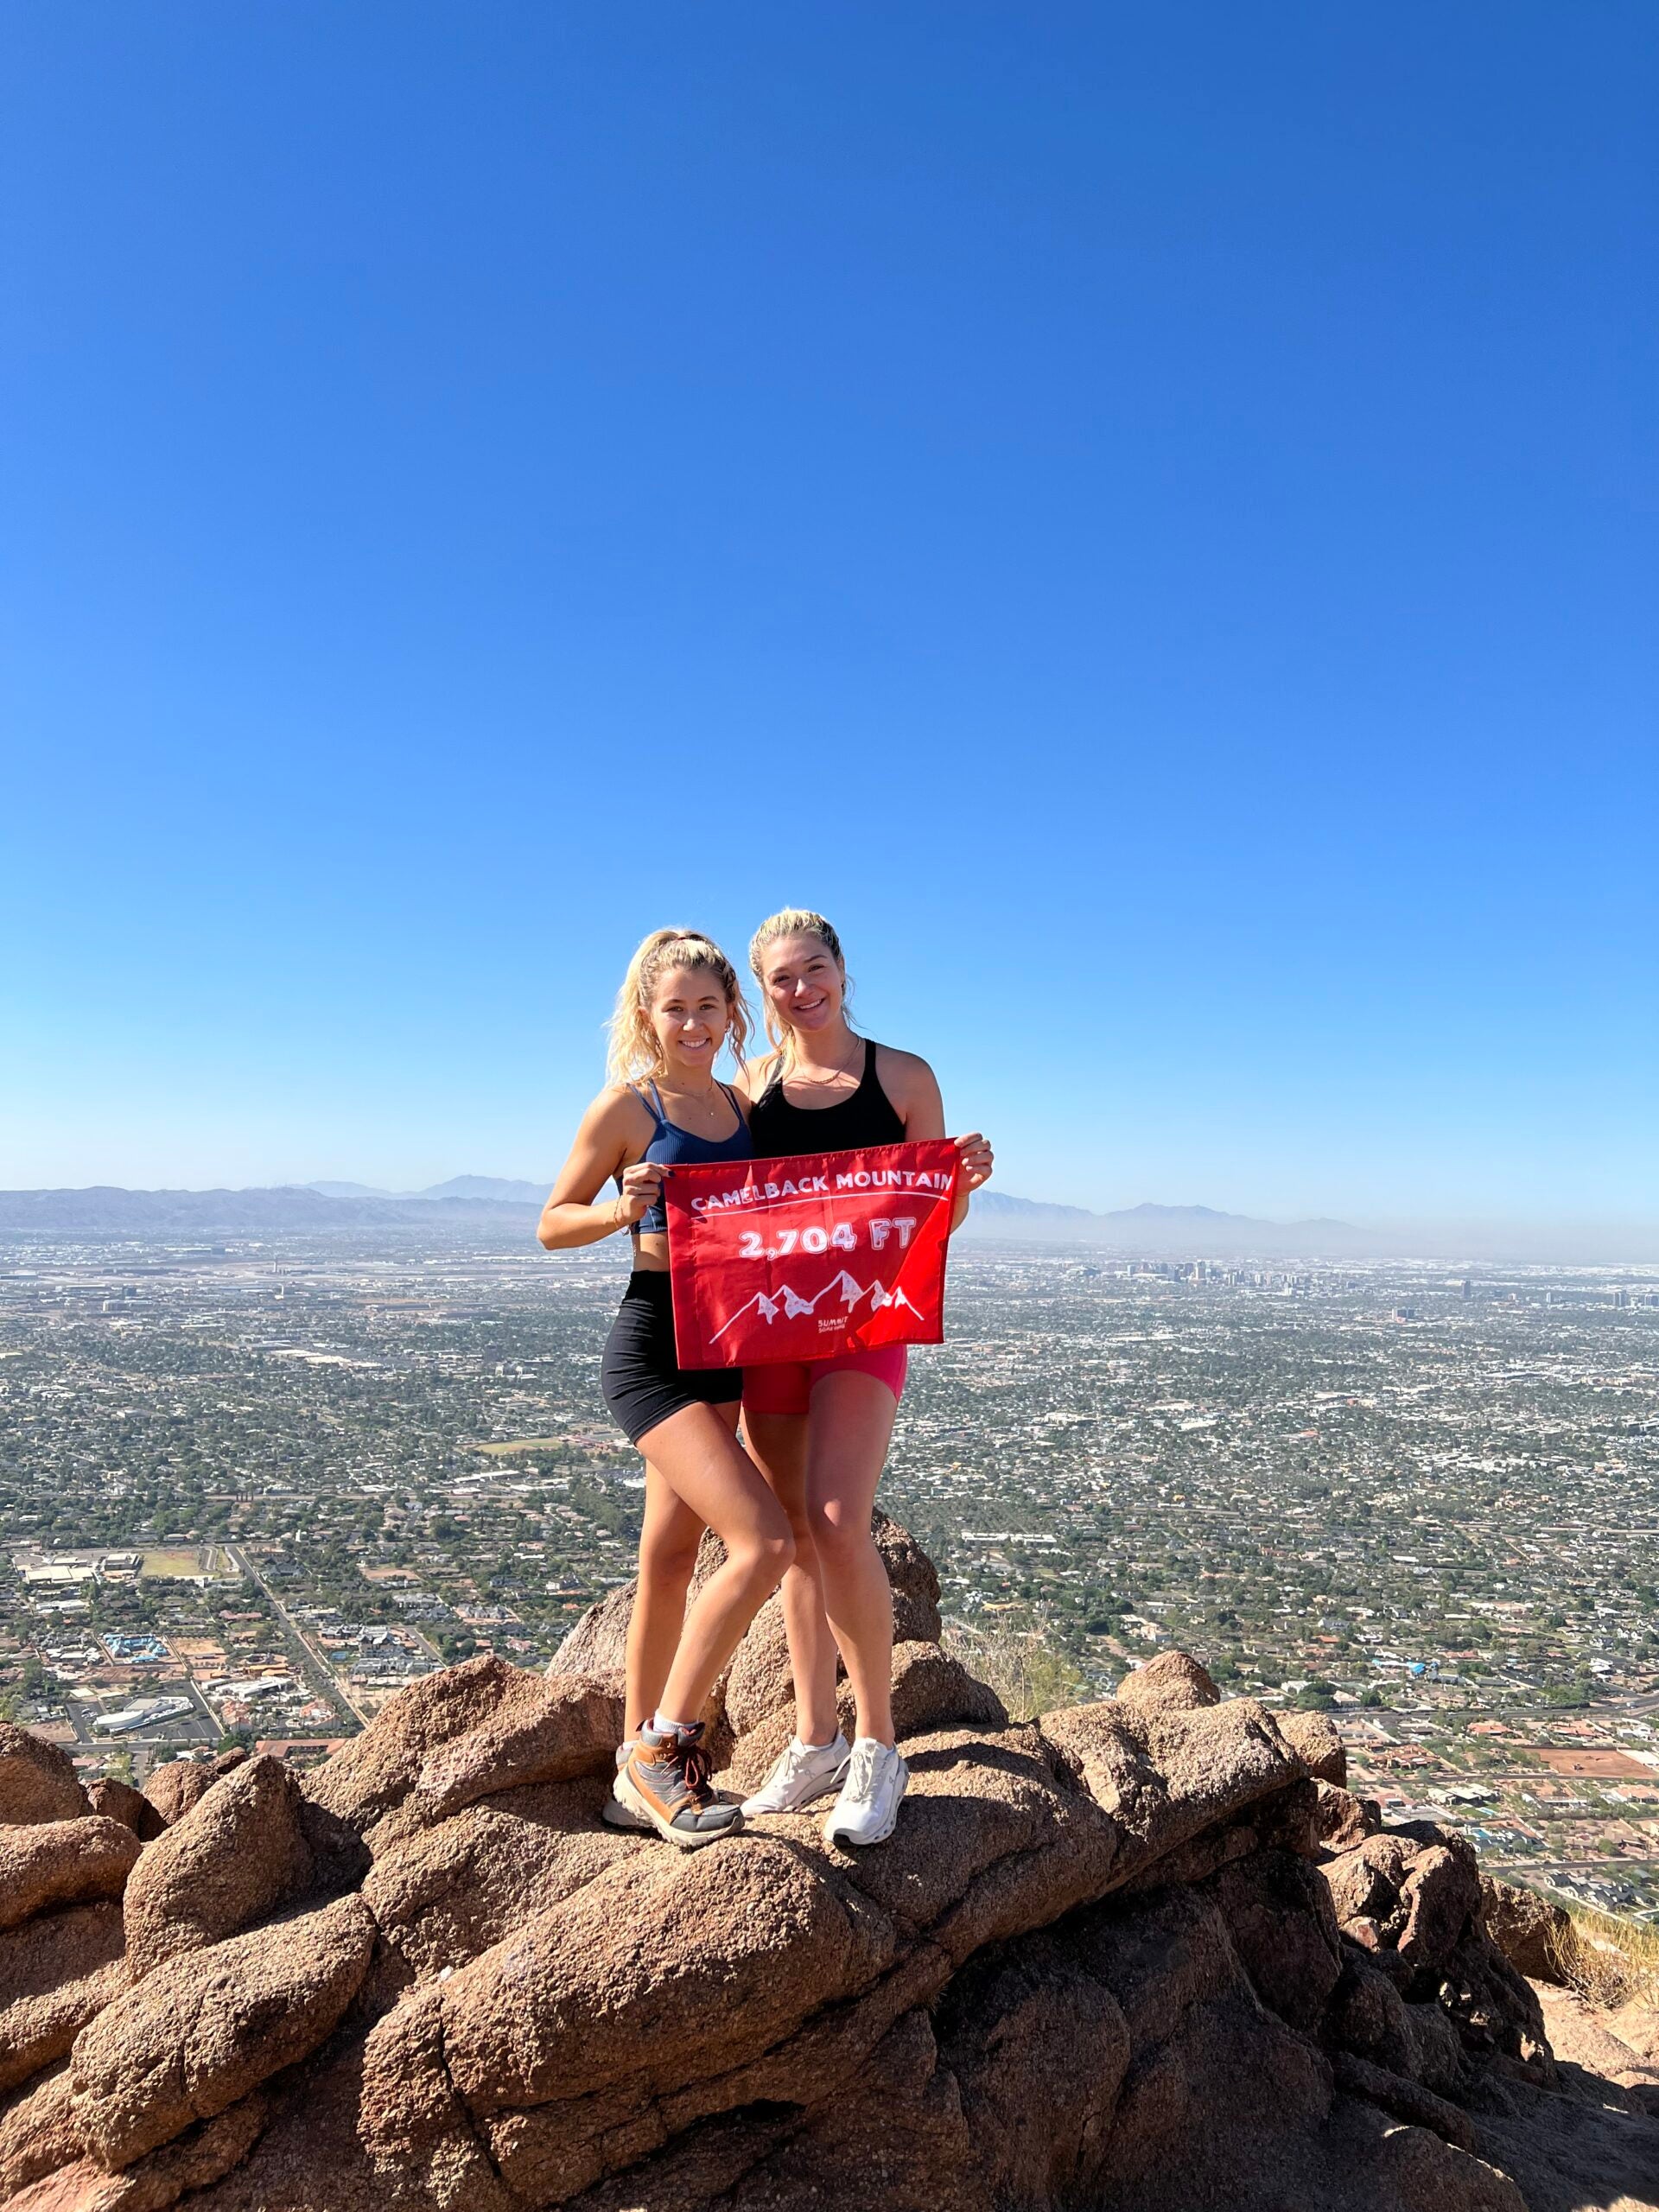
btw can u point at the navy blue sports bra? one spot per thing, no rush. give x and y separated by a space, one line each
676 1147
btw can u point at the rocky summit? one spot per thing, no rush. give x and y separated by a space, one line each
1148 1952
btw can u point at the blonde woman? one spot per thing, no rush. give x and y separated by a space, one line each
821 1429
679 1004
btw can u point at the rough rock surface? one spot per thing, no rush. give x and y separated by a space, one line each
1533 1933
175 1788
62 1862
234 1858
57 1972
37 1779
1148 1952
119 1801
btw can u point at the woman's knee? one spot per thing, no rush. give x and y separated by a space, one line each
836 1533
767 1553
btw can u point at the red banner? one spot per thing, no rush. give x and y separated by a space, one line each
802 1258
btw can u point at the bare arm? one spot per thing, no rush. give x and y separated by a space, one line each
610 1130
915 1090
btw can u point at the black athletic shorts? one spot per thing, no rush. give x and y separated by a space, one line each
642 1381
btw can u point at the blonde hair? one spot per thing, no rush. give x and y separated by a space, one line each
793 921
634 1050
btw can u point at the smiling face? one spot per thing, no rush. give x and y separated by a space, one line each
689 1015
805 984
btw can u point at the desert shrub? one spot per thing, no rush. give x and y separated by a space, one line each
1029 1676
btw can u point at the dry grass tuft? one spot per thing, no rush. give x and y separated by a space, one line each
1029 1676
1607 1962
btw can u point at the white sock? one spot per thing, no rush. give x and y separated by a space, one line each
661 1725
827 1744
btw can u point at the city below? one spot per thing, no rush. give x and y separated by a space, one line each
251 1485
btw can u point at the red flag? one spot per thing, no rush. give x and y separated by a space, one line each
805 1257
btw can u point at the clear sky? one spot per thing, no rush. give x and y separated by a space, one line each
1145 515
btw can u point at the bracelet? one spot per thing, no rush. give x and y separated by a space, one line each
618 1220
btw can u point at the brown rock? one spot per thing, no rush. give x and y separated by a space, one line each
598 1644
915 1585
37 2133
1437 2049
1174 1681
181 1784
759 1683
1534 1933
1367 2015
1343 1821
1365 1885
901 2129
1040 2047
56 1973
654 1974
1278 1917
550 1732
198 2158
1288 1820
202 2031
366 1778
1217 2093
987 1846
235 1856
1441 1894
1406 2100
1322 1750
62 1862
450 1893
1164 1775
119 1801
38 1780
1383 2166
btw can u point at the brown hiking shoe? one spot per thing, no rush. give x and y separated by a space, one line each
665 1778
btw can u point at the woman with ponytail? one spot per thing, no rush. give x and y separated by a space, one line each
820 1430
679 1004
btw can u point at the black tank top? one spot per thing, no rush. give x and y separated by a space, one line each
866 1117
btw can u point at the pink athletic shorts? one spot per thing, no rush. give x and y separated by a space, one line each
786 1387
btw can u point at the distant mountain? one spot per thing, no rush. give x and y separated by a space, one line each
498 1190
1200 1232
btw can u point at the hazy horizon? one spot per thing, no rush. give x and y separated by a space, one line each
1537 1240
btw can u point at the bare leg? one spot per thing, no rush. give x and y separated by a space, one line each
778 1444
849 1429
669 1536
697 1455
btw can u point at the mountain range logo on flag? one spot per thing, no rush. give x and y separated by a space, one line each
789 1301
807 1257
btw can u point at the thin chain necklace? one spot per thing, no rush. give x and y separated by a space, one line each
822 1082
707 1103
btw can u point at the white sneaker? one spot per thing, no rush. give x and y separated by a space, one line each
867 1807
801 1774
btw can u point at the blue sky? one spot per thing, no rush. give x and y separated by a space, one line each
1145 515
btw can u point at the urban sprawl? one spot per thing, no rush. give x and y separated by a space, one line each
249 1490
